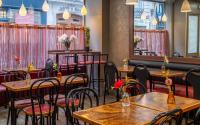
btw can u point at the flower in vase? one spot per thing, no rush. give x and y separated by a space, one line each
137 40
118 84
17 58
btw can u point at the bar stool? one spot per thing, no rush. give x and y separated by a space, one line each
70 66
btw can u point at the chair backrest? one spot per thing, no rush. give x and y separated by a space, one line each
193 78
17 75
74 81
142 74
42 87
111 74
48 67
167 117
135 88
197 118
84 96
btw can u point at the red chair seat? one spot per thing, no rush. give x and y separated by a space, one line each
87 63
101 62
65 65
45 110
62 103
60 96
2 88
22 103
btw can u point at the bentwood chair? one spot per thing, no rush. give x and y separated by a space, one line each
70 66
193 78
135 88
141 74
110 76
48 71
73 81
39 109
167 118
79 99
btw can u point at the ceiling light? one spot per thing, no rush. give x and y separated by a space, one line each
45 6
22 10
131 2
154 21
1 2
186 6
66 15
84 11
164 18
143 16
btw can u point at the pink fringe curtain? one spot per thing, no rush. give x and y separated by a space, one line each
153 41
31 43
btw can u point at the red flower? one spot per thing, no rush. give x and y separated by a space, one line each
118 84
16 58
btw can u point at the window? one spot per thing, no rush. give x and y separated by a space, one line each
147 13
193 47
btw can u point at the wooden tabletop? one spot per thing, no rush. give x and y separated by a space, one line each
24 85
158 101
170 73
115 114
63 52
21 69
125 70
142 110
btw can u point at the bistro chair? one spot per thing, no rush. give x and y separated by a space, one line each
135 88
73 81
110 76
141 74
193 78
48 71
167 118
70 65
79 99
22 101
197 118
39 109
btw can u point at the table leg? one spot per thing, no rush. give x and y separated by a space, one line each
57 59
98 81
76 61
13 113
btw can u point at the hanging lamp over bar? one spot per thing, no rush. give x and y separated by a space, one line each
186 7
45 6
131 2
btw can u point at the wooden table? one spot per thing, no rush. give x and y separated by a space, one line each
21 69
24 85
127 70
74 52
158 101
170 74
142 110
115 114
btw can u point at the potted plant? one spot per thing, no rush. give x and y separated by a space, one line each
87 39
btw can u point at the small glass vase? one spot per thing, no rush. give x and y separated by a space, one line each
171 98
163 69
67 45
28 78
125 99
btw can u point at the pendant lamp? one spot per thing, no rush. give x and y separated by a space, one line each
186 7
1 2
45 6
131 2
66 15
22 10
84 10
164 18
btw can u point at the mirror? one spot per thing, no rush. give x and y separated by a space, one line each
160 28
